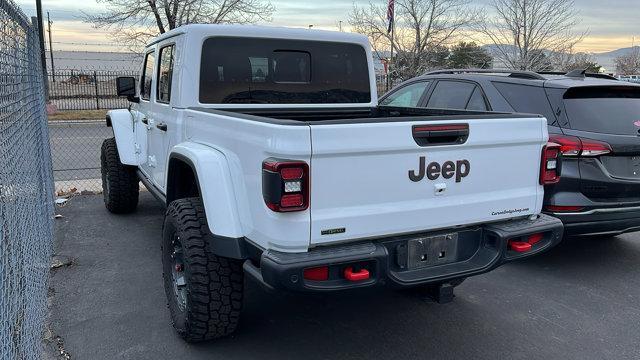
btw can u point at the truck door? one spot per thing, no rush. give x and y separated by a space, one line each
141 112
162 120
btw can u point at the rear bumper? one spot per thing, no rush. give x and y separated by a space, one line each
610 206
605 221
477 250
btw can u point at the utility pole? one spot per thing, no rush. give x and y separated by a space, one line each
43 58
340 25
53 69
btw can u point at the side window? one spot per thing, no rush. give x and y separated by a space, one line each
408 96
451 95
147 74
165 73
477 102
526 99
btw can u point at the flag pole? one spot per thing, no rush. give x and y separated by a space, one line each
389 79
391 17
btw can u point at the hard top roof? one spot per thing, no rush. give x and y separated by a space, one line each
255 31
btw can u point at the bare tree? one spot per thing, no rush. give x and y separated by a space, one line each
133 22
424 28
629 64
571 60
524 32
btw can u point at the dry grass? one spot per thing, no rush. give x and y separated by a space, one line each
78 115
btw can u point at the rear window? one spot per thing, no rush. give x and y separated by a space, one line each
273 71
610 110
527 99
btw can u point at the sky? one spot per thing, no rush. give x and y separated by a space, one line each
611 24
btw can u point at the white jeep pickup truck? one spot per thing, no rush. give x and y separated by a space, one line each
274 160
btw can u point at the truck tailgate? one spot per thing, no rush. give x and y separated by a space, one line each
367 180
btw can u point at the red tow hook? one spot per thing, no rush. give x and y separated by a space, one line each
525 246
362 274
520 246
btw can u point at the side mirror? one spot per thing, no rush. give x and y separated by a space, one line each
126 86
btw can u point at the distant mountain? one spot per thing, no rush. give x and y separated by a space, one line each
607 59
619 52
604 59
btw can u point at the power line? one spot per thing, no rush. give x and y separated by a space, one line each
51 10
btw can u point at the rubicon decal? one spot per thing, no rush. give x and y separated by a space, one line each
460 169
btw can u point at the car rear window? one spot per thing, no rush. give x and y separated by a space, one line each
610 110
526 99
280 71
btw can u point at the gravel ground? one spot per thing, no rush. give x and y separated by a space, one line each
578 301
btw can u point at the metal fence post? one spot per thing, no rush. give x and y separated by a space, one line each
35 21
95 83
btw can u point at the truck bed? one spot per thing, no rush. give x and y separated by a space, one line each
288 116
384 170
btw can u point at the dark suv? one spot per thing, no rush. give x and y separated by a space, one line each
595 118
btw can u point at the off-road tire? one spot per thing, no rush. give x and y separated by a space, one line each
120 184
213 285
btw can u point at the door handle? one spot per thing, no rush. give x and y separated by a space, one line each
162 126
145 120
447 134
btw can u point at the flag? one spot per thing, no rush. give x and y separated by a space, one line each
390 15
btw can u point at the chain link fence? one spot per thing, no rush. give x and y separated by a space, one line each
75 148
86 89
26 198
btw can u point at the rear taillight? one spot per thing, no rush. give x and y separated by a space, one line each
285 185
573 146
550 166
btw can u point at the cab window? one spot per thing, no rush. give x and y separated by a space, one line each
165 73
282 71
147 74
408 96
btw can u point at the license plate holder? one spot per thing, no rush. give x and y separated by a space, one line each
432 250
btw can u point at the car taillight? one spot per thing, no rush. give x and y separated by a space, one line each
594 148
573 146
285 185
550 166
563 208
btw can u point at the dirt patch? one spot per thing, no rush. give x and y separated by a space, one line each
71 115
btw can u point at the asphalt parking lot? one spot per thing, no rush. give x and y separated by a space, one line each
580 300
